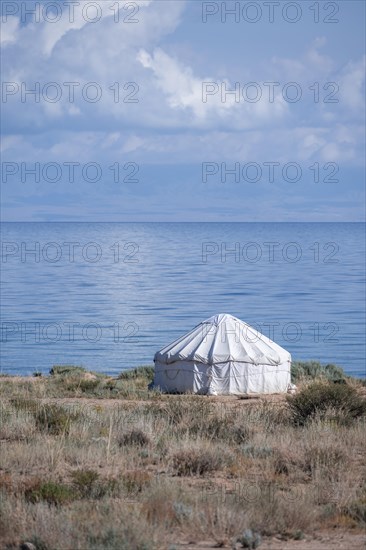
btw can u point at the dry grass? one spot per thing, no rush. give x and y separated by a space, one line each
145 471
200 458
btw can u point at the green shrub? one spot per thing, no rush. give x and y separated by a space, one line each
67 370
357 511
311 370
139 372
53 419
50 492
318 398
88 385
78 385
84 481
250 539
110 385
298 535
133 438
334 373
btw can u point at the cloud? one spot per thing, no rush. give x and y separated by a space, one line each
332 94
169 91
316 61
352 85
170 125
179 84
208 100
9 31
78 16
310 66
81 53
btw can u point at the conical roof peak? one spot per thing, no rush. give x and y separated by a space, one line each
220 339
220 318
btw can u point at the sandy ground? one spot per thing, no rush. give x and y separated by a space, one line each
326 540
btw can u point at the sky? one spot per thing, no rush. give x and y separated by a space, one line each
170 110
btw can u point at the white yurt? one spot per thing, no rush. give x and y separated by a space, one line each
223 355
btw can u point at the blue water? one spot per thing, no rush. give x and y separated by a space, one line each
110 305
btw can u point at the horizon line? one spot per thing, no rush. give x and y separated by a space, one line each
175 222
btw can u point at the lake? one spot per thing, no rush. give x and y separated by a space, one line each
109 295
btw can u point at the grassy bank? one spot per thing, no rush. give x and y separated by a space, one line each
94 462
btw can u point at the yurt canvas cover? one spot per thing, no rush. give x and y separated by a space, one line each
223 355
